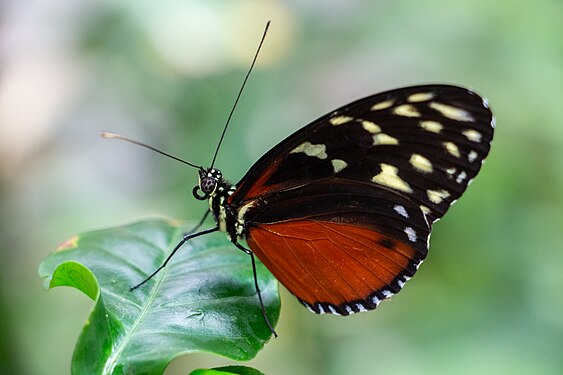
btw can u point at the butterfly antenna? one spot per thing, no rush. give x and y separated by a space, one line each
239 93
109 135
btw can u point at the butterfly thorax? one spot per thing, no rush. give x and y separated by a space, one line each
217 190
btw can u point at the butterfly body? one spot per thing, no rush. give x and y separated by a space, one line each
341 210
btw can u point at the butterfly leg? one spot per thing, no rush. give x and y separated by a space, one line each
186 238
249 252
198 224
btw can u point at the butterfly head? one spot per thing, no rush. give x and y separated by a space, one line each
208 181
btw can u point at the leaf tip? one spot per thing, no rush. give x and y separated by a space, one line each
174 222
71 243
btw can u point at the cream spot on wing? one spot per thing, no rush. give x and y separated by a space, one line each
371 127
437 196
451 170
472 156
384 139
420 163
338 165
420 97
424 209
431 126
382 105
406 110
452 149
339 120
388 177
401 211
452 112
472 135
411 234
309 149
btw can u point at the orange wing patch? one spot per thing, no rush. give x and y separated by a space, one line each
333 267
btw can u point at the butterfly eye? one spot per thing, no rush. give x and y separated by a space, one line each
208 181
208 185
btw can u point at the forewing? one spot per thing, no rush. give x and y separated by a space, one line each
424 142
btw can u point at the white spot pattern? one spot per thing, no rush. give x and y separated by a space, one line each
425 210
411 234
384 139
431 126
452 149
420 97
371 127
406 110
401 211
437 196
339 120
309 149
472 135
420 163
460 177
361 307
308 307
332 310
382 105
388 177
452 112
338 165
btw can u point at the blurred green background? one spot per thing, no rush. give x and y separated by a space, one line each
487 300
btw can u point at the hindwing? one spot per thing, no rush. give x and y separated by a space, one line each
339 247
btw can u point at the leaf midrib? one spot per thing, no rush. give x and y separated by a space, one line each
116 354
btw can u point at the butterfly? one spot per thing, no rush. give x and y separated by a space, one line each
341 211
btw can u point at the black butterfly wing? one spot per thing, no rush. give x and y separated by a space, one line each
341 210
424 142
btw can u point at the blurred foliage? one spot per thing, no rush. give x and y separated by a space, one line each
489 297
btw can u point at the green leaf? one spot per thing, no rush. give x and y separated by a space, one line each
204 300
227 370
